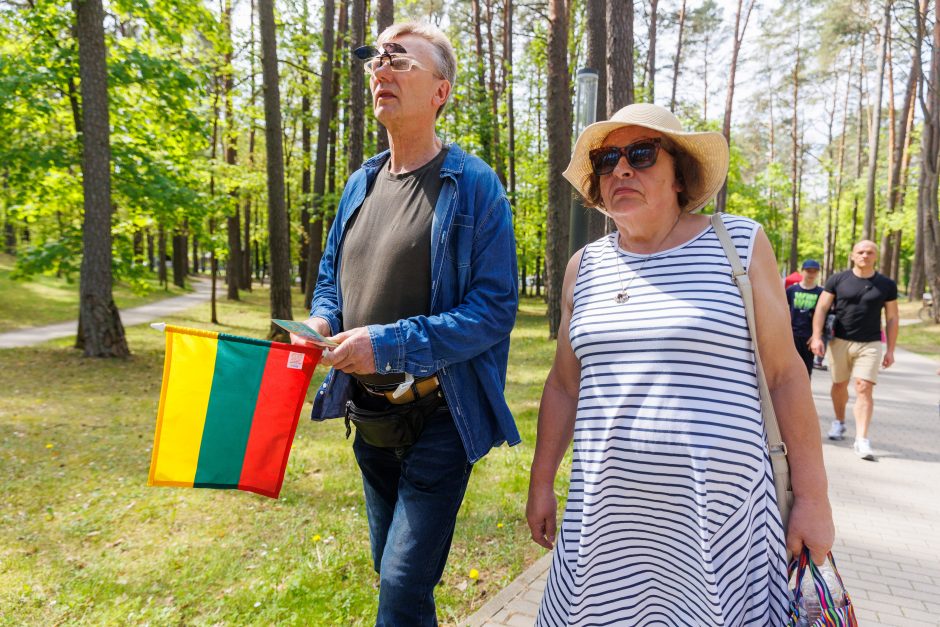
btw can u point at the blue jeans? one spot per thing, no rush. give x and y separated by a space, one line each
412 497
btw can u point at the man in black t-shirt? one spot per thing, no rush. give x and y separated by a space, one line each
858 296
802 298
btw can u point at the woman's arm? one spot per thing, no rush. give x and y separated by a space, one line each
556 421
811 517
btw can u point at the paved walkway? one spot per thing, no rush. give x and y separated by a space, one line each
202 289
887 512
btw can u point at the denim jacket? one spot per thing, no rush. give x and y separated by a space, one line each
474 298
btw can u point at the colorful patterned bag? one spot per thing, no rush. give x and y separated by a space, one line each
834 612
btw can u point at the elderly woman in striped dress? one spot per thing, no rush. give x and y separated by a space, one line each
671 516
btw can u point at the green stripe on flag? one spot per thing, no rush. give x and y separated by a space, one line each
239 367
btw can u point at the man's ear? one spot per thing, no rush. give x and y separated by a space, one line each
441 93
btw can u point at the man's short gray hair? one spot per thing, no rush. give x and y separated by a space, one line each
443 50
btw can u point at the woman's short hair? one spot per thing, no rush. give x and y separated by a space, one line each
685 168
446 59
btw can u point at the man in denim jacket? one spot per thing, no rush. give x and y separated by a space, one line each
418 286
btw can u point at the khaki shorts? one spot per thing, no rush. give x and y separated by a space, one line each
854 359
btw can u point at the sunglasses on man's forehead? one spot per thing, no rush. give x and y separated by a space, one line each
375 59
368 52
640 155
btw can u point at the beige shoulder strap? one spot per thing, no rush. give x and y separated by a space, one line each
778 450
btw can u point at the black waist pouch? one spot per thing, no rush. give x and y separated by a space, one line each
392 427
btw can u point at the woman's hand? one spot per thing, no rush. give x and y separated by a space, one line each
541 512
811 526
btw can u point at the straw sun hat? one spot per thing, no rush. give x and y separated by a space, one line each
708 149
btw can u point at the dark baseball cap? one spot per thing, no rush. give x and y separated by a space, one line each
811 264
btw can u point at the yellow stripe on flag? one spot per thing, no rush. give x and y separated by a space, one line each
184 399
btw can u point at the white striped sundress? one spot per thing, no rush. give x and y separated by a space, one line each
671 516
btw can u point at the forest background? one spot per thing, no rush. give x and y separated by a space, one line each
218 135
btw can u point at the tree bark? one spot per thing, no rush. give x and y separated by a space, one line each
677 59
597 60
559 151
619 56
651 53
279 242
829 257
246 249
323 132
161 253
901 153
739 30
874 135
930 169
794 159
233 265
384 17
101 333
357 36
858 144
497 159
508 85
179 256
306 159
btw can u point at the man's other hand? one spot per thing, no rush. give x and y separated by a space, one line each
354 354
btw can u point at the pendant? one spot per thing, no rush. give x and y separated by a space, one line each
621 297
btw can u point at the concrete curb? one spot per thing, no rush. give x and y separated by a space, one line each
502 600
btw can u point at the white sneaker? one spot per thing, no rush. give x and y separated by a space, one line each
863 449
837 430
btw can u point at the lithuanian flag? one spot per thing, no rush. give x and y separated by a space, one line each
228 410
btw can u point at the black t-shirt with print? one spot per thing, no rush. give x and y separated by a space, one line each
858 304
802 303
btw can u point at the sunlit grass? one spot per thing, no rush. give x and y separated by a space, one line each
83 541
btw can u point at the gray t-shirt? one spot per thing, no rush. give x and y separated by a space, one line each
385 268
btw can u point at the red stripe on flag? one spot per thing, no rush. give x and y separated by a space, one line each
280 399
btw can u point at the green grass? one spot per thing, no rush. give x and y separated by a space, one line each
922 338
47 299
83 541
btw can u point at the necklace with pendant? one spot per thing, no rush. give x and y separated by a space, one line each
623 295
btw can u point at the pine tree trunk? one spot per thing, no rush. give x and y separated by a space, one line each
494 90
874 135
246 248
179 257
278 238
101 333
323 133
597 60
739 29
510 114
384 17
858 145
357 26
161 252
930 169
306 159
619 55
233 264
651 53
559 151
794 162
676 60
